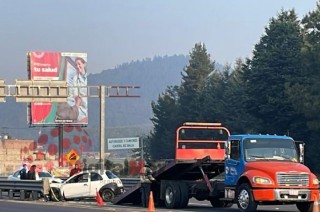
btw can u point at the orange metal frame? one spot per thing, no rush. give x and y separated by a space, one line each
217 153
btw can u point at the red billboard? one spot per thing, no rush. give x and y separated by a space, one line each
71 67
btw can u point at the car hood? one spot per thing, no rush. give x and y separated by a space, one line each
55 180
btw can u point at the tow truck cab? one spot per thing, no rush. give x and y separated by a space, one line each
268 169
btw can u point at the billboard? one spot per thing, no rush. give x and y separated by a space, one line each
71 67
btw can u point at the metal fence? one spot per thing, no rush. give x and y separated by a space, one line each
24 188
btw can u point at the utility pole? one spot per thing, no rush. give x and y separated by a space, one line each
142 153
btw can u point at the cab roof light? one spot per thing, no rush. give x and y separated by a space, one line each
201 124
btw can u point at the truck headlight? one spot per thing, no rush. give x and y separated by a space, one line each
261 180
315 181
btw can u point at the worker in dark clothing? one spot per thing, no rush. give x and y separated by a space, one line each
146 180
23 172
32 173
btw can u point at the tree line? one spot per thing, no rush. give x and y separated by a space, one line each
275 91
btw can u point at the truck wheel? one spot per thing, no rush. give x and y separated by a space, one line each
184 198
107 195
172 195
245 200
305 206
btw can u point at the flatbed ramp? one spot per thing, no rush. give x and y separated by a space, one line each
175 170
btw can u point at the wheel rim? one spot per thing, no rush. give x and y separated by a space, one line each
107 195
243 199
169 195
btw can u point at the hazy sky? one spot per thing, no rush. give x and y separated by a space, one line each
115 31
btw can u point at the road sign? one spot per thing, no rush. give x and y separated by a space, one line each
72 156
123 143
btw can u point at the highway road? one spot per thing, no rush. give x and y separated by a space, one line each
90 206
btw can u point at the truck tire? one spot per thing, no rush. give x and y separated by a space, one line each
244 198
184 192
305 206
172 195
107 195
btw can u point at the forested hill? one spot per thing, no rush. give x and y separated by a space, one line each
152 75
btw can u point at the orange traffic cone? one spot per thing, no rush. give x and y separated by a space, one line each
151 203
99 199
315 204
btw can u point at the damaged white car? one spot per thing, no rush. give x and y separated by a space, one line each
85 185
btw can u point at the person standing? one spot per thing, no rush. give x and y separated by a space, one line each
32 173
23 172
146 180
75 170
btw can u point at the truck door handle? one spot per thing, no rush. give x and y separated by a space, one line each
85 184
233 162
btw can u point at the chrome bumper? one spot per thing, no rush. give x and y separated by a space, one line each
292 194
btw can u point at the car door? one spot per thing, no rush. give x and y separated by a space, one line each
96 182
77 187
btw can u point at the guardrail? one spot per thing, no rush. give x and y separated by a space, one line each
36 188
24 188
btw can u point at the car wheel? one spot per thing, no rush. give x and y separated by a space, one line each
107 195
55 194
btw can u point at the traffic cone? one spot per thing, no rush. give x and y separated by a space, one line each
99 199
315 204
151 203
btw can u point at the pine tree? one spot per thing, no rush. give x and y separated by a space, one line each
162 141
275 65
305 93
194 78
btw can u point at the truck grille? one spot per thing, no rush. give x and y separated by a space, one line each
286 179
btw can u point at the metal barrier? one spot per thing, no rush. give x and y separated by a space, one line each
24 188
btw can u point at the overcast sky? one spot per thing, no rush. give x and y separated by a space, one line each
115 31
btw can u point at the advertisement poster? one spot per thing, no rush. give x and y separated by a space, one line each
71 67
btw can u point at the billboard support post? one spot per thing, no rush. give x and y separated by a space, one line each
102 126
60 156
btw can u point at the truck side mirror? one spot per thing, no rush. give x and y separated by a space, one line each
228 150
301 149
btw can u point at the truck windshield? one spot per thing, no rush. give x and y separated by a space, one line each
270 149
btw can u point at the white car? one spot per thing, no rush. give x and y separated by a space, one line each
40 176
85 185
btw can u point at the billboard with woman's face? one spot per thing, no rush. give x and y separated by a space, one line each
71 67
